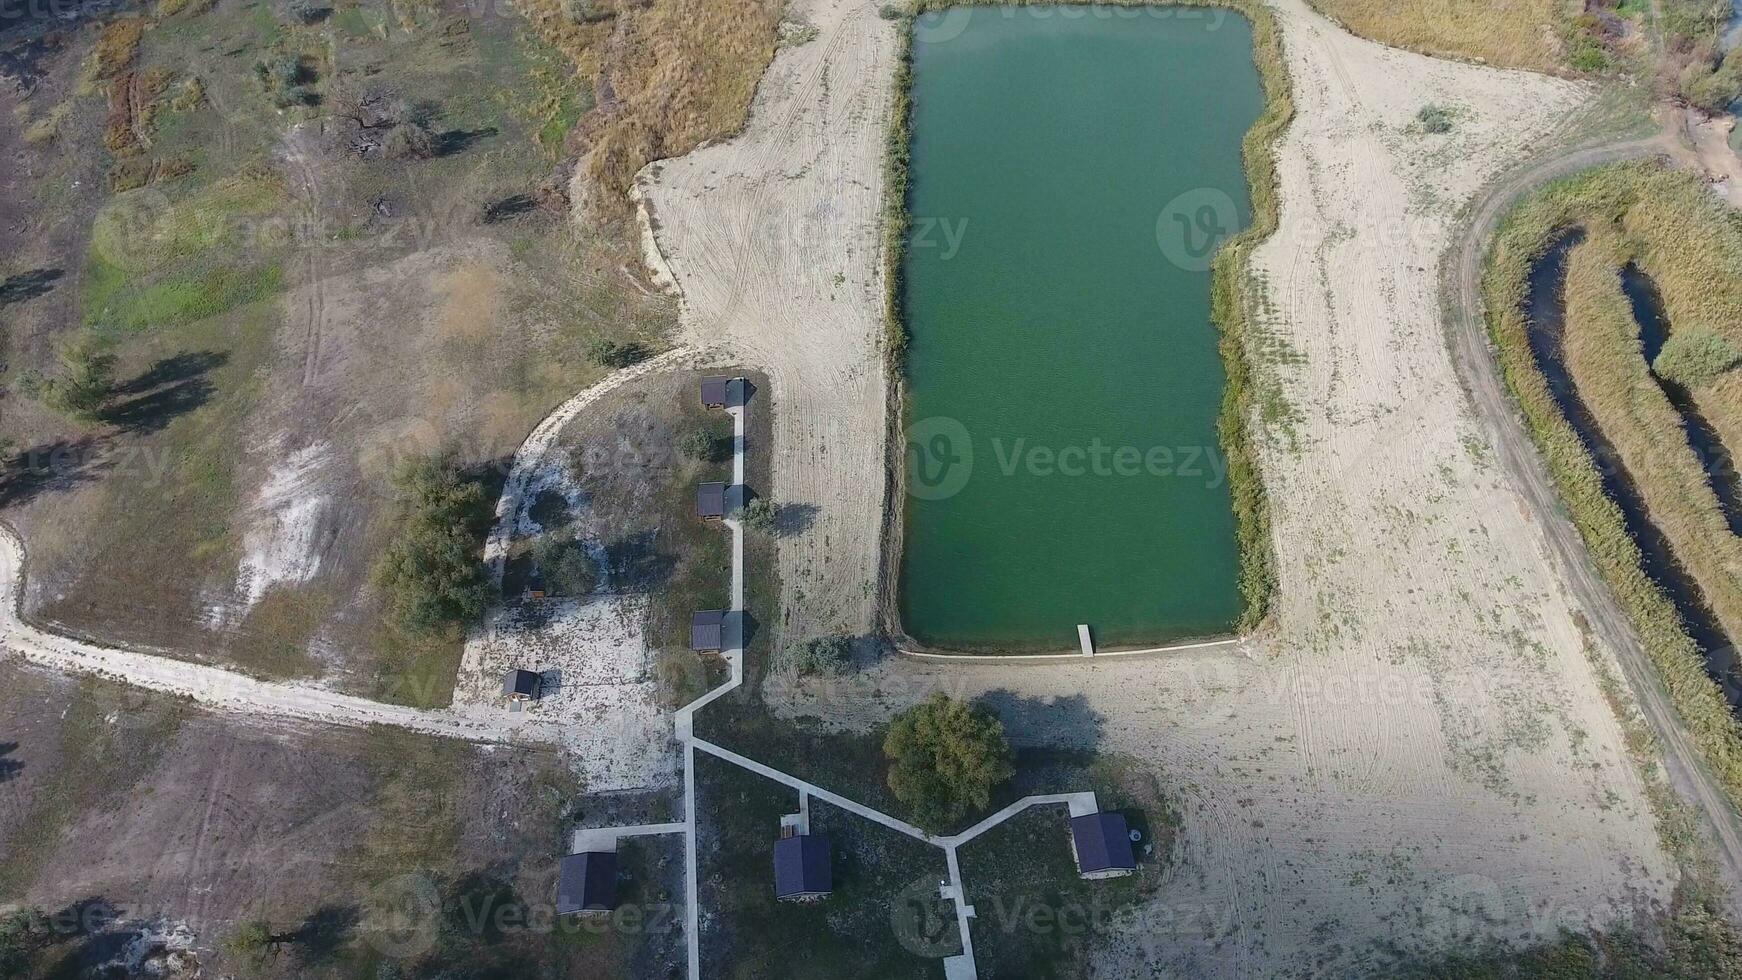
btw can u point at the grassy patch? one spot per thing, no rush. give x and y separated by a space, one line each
275 636
882 920
117 303
1035 916
1630 201
110 738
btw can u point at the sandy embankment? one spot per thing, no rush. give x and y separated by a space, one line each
1418 752
772 238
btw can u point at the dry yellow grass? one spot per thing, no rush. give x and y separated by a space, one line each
118 45
1511 33
1691 244
673 74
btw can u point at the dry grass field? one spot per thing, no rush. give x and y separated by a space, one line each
375 854
668 75
1507 33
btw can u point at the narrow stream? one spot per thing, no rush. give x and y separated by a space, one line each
1703 439
1545 312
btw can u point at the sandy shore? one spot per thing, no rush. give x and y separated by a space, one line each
1417 753
772 239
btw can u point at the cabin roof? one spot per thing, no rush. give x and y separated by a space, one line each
521 682
707 630
587 883
714 390
1103 842
711 500
801 866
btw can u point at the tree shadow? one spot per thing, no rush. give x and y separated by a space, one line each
1062 722
170 388
59 465
458 140
27 286
9 768
791 519
636 563
323 933
508 207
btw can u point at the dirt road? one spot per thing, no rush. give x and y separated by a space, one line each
1525 469
213 687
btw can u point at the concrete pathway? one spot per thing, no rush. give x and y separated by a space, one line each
229 691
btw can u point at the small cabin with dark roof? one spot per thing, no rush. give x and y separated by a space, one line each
520 685
801 867
587 883
708 630
1101 845
714 391
711 501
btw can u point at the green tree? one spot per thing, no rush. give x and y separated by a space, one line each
945 758
85 381
611 354
1694 356
567 568
825 656
251 943
705 444
1713 87
760 515
433 570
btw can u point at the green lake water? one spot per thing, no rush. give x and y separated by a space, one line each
1072 170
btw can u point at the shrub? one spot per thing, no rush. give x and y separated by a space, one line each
283 78
251 942
584 11
705 444
567 568
1713 88
612 354
945 758
760 515
1434 119
308 11
433 569
1694 356
409 141
827 656
87 377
